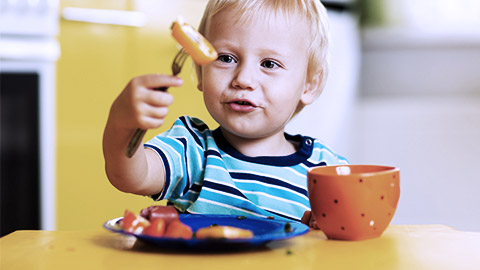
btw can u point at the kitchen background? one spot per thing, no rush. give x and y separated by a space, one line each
404 90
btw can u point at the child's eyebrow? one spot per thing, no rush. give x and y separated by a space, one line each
270 51
224 43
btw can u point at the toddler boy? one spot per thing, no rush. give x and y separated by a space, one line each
272 62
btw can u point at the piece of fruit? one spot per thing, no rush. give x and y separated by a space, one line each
177 229
201 51
156 228
133 223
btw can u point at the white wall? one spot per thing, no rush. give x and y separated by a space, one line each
329 117
419 109
434 141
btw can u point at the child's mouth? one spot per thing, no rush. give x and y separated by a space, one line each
242 106
242 103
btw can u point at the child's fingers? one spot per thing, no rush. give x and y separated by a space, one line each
306 217
141 107
150 116
158 98
152 81
156 112
151 122
309 220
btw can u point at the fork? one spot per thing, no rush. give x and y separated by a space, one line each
177 65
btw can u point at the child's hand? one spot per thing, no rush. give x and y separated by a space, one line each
309 219
140 106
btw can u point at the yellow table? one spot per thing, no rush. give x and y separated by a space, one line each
401 247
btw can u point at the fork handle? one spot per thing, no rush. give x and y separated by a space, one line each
163 89
139 133
135 141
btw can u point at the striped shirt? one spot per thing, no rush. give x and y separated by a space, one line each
205 174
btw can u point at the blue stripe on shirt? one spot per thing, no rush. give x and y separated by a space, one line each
194 135
161 195
223 188
185 159
267 180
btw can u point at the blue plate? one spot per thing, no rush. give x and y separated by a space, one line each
264 230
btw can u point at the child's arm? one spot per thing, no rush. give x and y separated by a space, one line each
137 106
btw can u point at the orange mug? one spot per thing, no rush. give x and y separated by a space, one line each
353 202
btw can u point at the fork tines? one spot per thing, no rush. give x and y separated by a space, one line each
178 61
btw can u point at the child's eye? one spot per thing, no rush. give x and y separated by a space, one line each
269 64
225 58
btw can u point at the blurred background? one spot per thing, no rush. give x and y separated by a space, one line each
403 90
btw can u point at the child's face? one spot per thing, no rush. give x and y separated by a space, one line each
260 76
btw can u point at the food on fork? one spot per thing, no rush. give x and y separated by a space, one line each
223 232
201 51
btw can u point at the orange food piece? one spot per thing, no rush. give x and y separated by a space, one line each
223 232
156 228
201 51
177 229
133 223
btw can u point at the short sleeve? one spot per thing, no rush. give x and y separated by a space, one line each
182 149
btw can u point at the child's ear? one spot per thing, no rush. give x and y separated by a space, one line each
312 89
199 74
199 85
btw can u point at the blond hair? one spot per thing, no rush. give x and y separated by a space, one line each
312 10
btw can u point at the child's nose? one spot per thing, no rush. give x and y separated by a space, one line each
244 77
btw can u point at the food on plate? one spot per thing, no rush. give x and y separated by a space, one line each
223 232
156 228
133 223
164 221
177 229
157 221
288 227
167 213
201 51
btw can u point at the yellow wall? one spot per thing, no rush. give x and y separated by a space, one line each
95 64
